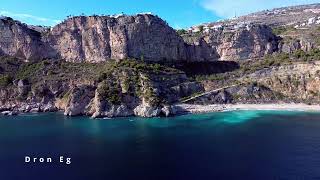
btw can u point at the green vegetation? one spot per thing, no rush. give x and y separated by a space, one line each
66 96
313 55
5 80
228 35
280 59
127 75
248 67
279 95
58 70
181 31
116 79
282 30
201 28
110 91
211 77
279 30
150 96
315 35
29 69
142 67
9 65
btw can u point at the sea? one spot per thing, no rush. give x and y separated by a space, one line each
257 145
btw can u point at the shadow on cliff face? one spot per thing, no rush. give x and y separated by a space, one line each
204 68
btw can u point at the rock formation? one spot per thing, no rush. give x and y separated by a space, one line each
18 40
244 43
94 39
123 88
146 37
98 38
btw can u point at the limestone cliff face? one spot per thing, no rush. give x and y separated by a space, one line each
143 36
199 48
294 45
118 96
243 43
110 89
97 38
300 82
299 39
146 37
17 40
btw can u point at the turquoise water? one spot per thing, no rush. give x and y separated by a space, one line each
226 145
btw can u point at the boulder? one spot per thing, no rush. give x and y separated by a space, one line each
145 110
23 87
50 107
9 113
168 111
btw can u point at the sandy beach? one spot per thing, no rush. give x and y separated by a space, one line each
192 108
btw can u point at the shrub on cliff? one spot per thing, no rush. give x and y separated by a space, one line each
5 80
282 30
181 31
29 69
110 91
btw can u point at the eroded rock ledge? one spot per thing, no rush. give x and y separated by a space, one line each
112 89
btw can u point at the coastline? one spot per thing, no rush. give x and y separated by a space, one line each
198 109
180 109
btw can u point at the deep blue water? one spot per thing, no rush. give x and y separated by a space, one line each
230 145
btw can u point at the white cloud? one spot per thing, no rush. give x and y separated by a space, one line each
228 8
30 18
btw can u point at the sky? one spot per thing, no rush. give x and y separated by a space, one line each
178 13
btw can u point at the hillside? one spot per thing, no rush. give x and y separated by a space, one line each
259 34
110 66
286 16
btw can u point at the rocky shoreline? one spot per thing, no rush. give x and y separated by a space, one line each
177 109
143 110
15 109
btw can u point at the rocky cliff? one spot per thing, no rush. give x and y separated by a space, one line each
144 36
297 82
18 40
149 38
275 79
252 36
109 89
96 39
247 42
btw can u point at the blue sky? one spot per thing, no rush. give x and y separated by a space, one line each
178 13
